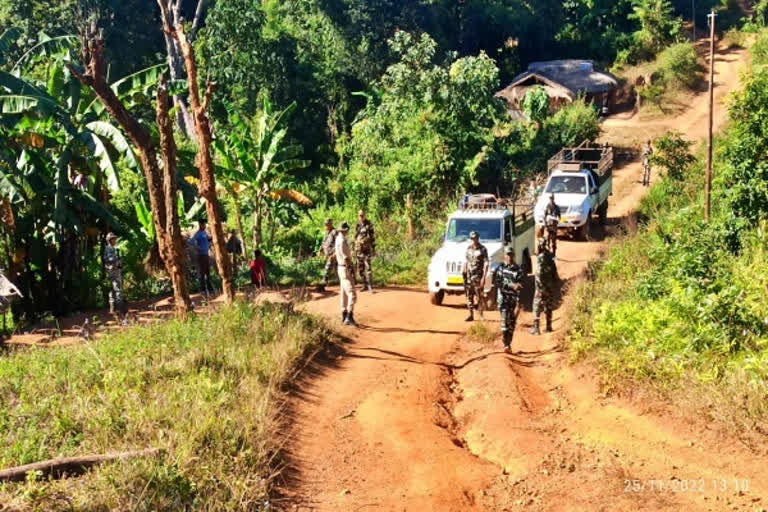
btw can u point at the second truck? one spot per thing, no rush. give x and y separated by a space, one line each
581 179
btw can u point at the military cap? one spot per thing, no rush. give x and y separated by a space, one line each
509 250
344 227
111 236
328 222
473 235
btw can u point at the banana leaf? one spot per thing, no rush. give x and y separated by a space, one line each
115 137
99 150
46 46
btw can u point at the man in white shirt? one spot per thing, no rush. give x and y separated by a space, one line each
346 271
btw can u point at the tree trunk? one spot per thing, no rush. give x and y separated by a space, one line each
176 64
203 160
176 68
239 222
409 215
257 216
94 77
272 225
70 465
175 246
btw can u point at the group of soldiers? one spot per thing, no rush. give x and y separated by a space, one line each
199 243
508 283
337 253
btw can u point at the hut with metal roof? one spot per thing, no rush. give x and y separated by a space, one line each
564 81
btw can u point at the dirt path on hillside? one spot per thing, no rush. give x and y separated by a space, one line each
412 415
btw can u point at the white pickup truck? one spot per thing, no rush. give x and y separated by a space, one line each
499 224
581 178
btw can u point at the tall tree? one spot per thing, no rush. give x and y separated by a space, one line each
161 184
204 160
176 60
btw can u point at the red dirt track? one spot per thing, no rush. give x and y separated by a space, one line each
412 415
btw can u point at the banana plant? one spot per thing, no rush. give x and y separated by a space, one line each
48 112
260 161
52 134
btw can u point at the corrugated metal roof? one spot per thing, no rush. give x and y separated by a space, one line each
578 76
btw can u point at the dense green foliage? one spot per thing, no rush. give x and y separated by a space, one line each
438 116
321 107
205 390
684 298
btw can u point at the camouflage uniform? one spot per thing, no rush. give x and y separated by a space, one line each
365 247
113 264
646 153
546 278
508 280
477 258
329 252
550 227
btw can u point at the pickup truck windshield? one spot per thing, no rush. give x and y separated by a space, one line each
488 229
567 185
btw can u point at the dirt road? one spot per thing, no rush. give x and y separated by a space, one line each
413 415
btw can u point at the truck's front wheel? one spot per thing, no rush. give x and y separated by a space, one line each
585 231
604 213
437 297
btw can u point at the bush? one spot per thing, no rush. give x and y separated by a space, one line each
745 173
759 49
571 125
536 104
677 65
735 38
673 155
206 390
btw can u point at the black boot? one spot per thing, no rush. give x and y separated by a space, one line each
549 324
507 341
471 316
344 315
351 320
320 288
535 329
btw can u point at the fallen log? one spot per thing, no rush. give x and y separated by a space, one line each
65 466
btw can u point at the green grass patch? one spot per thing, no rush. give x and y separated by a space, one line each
206 390
681 304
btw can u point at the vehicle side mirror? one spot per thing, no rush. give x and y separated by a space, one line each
595 190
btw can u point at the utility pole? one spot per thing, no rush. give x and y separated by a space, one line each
693 19
711 16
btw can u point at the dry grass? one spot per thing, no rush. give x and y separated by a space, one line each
206 390
482 332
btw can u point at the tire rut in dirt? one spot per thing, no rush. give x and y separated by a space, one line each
448 396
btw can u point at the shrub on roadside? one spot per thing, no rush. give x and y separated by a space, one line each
673 154
677 65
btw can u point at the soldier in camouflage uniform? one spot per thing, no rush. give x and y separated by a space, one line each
328 251
365 247
551 220
546 278
508 281
474 272
113 263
